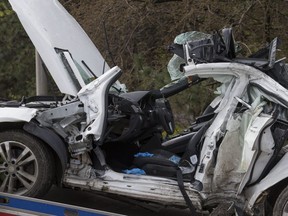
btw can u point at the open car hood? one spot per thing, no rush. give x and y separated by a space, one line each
67 51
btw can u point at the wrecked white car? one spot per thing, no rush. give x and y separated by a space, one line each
98 137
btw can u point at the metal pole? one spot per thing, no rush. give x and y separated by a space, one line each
41 78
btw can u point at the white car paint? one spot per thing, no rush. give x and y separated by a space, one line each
278 173
59 30
245 75
17 114
50 26
93 97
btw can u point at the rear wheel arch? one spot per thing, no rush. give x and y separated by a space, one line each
280 199
275 191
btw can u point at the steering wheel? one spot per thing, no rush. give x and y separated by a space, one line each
165 115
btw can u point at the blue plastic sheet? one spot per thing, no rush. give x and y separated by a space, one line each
175 159
143 154
135 171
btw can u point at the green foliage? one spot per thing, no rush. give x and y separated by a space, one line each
17 70
4 10
139 32
146 77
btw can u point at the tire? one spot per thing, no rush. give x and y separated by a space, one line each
26 164
281 204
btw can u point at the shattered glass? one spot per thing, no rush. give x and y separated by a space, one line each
175 62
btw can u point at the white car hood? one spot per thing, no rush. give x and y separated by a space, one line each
51 27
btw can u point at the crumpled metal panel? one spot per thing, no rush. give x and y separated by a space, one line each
146 188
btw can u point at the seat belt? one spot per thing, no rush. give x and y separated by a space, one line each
184 193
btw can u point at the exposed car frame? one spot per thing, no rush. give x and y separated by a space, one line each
74 135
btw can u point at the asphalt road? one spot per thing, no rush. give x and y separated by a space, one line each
99 202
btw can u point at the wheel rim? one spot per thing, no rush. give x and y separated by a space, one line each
285 210
18 168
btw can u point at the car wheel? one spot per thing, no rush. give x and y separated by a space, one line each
26 164
281 204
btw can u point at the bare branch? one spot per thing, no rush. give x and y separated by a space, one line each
163 1
157 1
245 12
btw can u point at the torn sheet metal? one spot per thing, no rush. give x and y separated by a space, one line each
250 148
93 96
278 173
226 174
